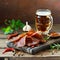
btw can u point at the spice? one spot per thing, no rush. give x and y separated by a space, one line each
8 50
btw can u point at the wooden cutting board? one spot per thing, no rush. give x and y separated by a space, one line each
35 49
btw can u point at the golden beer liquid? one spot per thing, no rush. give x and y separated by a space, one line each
43 23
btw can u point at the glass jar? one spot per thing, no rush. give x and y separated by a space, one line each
43 21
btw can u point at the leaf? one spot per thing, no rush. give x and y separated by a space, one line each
8 30
9 21
3 29
22 25
19 24
52 47
17 28
58 46
46 37
55 46
12 24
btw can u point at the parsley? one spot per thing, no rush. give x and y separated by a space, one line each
12 25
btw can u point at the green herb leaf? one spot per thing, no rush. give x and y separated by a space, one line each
3 29
13 25
8 30
46 38
55 46
52 47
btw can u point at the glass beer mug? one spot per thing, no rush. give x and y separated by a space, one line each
43 21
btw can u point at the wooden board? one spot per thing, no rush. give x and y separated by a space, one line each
35 49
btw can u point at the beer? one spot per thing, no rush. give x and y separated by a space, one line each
43 21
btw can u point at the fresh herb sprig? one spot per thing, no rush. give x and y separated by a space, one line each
12 25
55 46
46 38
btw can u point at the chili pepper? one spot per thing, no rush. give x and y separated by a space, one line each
8 50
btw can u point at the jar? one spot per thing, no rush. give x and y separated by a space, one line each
43 21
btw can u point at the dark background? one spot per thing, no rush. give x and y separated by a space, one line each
25 9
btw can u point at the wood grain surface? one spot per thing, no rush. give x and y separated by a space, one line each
47 53
43 55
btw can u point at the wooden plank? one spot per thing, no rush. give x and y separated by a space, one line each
2 36
3 43
34 58
9 54
46 53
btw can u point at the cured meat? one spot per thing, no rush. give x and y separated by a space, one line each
29 33
30 39
36 35
34 42
21 42
27 41
24 41
39 37
12 35
16 39
54 35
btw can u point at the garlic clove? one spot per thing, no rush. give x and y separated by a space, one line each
27 27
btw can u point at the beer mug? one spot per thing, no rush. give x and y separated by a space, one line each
43 21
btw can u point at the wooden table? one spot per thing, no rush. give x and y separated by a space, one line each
46 53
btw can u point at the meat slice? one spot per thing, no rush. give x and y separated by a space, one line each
36 35
29 33
21 42
24 41
39 37
17 38
34 42
30 41
27 41
54 35
12 35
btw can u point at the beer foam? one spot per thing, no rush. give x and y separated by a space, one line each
43 13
